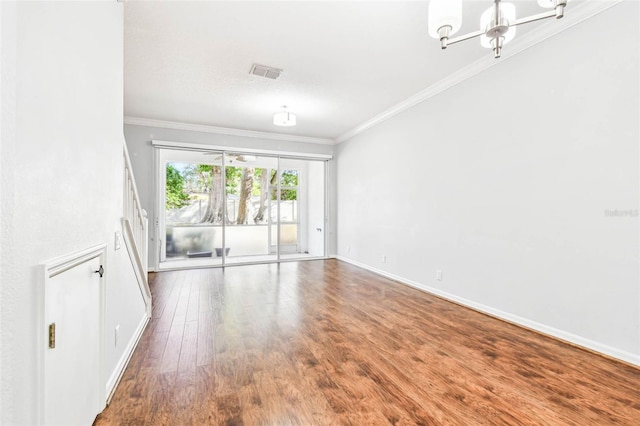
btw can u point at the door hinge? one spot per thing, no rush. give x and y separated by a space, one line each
52 335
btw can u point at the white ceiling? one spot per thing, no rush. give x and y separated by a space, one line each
344 62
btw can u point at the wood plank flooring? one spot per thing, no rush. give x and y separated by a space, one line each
324 343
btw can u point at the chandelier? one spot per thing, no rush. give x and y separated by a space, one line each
497 24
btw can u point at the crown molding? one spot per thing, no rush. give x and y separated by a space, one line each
573 16
148 122
231 149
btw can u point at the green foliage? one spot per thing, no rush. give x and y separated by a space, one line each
233 176
203 177
198 178
289 194
288 178
176 197
257 183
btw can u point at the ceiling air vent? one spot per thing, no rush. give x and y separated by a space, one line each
265 71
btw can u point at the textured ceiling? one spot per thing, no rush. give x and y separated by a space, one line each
344 62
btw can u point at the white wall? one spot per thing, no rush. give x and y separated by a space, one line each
125 310
139 143
502 182
3 133
61 169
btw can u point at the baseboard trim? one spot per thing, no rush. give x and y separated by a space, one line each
554 333
118 372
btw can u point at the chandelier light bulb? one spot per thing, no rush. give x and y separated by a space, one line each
547 4
444 14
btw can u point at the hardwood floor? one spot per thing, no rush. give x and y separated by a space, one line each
324 342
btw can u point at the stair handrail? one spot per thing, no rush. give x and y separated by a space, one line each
136 228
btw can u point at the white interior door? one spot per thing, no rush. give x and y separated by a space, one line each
73 391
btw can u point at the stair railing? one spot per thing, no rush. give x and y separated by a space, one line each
136 229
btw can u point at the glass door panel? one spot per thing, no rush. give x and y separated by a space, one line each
315 218
191 224
301 208
248 179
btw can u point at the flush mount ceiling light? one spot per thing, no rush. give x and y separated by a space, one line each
284 117
497 24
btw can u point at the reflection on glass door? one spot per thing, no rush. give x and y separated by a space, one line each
248 179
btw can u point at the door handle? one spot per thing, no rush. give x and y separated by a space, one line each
99 271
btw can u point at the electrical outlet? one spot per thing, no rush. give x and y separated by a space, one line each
349 249
384 258
115 335
118 240
439 275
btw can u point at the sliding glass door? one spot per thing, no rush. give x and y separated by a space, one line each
221 208
248 223
315 217
301 209
191 196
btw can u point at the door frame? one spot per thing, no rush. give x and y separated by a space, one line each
159 173
49 270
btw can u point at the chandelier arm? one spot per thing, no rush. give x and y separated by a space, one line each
465 37
533 18
498 26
